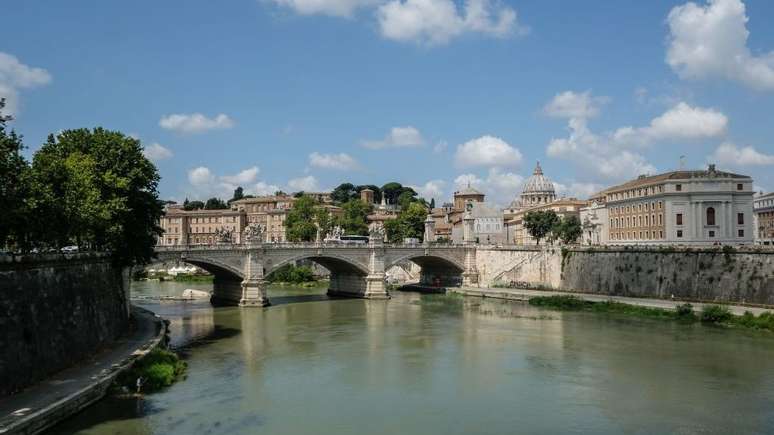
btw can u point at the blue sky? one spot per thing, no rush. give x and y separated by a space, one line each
305 94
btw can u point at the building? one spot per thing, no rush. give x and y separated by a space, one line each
538 194
269 212
763 211
703 207
200 227
593 218
485 226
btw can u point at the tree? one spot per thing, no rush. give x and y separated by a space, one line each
14 186
410 223
432 203
568 229
354 219
343 193
192 205
239 193
300 222
215 204
95 188
395 230
540 223
406 197
280 193
324 221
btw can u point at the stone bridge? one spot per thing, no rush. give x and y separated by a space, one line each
356 270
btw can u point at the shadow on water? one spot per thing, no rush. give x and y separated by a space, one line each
111 408
283 300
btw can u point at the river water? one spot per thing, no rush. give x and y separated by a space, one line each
437 364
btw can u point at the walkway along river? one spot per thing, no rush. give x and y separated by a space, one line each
442 364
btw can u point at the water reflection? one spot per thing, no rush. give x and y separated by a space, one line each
443 364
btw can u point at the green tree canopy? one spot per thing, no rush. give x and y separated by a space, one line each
410 223
192 205
239 193
215 204
568 229
95 188
343 193
354 217
540 223
14 187
300 222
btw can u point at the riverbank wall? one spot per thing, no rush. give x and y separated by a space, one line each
55 310
717 274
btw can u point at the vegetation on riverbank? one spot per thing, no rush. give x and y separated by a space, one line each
710 314
291 274
159 369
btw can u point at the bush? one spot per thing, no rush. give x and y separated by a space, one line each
292 274
159 369
684 311
715 314
559 302
764 321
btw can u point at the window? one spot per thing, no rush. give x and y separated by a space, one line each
712 234
679 218
740 233
679 234
740 186
710 216
679 187
740 218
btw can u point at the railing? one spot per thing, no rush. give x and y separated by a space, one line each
300 245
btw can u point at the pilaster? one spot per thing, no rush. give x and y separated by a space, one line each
375 281
253 285
470 274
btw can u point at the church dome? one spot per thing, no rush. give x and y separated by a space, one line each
538 183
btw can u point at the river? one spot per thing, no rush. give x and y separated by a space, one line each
437 364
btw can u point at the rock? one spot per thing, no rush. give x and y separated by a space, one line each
190 293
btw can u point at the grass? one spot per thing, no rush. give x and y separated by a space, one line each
710 314
159 369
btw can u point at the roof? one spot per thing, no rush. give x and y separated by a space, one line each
467 191
765 196
644 180
267 198
538 183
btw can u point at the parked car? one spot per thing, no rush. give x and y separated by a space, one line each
69 249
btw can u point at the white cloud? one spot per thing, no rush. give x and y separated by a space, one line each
731 155
431 189
263 188
440 147
710 40
156 152
487 151
433 22
398 137
341 161
195 122
680 122
306 184
500 187
200 176
244 177
571 104
15 75
577 190
335 8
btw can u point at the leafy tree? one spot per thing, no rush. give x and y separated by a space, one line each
568 229
239 193
280 193
299 194
14 186
391 191
343 193
540 223
324 220
300 222
406 197
410 223
395 230
215 204
95 188
354 218
192 205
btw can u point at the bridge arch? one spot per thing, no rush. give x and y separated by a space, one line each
436 268
333 262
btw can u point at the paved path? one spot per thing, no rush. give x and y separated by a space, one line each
68 391
524 294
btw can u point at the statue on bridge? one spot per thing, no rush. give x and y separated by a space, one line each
376 233
253 233
223 235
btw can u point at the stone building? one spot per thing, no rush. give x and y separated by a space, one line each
199 227
448 221
703 207
594 219
763 210
538 194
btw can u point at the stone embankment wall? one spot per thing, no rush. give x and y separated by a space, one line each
702 274
56 310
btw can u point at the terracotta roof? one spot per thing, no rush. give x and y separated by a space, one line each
674 175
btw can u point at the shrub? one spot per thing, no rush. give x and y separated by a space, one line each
715 314
684 311
559 302
159 369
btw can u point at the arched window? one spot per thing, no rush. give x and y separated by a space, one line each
710 216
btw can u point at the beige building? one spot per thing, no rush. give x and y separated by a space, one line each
448 221
681 207
763 209
199 227
594 220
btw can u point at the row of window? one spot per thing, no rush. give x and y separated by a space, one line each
710 218
210 219
710 234
636 208
636 193
635 235
636 221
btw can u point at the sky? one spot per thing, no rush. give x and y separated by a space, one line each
306 94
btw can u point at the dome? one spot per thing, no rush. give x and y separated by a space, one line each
538 183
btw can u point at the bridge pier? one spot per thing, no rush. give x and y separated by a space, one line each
254 293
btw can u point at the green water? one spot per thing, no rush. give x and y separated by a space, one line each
439 364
